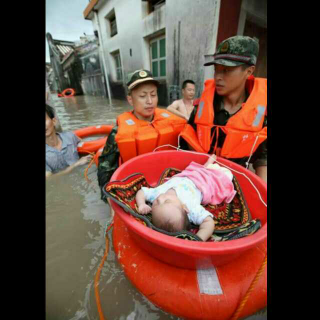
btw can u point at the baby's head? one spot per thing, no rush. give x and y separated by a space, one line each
169 213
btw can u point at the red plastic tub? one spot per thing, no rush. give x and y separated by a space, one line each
184 253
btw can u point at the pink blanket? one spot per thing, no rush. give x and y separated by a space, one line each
214 185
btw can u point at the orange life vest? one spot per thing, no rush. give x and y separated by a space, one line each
244 131
135 137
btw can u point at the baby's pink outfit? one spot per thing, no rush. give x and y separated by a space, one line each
215 186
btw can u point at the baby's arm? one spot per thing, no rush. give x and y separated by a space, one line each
206 228
143 208
211 160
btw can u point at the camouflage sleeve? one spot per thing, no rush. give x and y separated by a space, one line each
109 159
259 157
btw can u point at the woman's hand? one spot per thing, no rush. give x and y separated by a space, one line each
84 160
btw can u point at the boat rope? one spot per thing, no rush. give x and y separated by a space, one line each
209 155
96 280
253 284
90 164
251 152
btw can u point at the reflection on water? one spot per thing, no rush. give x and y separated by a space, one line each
76 218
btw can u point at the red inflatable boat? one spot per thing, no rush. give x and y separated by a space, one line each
191 279
85 147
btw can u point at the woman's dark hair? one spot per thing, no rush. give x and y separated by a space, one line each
185 82
50 111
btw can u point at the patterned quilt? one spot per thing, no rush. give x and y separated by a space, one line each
232 220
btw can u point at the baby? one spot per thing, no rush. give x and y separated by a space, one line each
178 200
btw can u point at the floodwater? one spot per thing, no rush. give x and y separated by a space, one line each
76 219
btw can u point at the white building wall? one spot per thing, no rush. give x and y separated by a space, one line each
199 21
134 29
198 33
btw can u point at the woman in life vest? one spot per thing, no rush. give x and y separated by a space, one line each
231 117
140 130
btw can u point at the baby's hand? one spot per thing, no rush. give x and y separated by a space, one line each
211 160
144 209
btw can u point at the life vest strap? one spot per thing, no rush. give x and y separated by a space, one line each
216 130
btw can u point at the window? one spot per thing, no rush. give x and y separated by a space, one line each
113 25
118 66
154 4
111 17
158 57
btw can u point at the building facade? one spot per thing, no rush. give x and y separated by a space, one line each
76 65
171 38
51 78
92 78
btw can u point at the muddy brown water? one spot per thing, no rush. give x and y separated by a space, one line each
76 218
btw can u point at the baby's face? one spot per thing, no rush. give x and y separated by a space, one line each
168 213
168 207
165 199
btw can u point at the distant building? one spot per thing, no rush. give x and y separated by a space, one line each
60 51
77 65
51 78
172 38
92 78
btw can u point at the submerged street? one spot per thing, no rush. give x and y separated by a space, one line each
76 219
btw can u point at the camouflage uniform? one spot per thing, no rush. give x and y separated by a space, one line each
233 52
236 51
109 159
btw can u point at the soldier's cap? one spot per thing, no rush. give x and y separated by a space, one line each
236 51
140 76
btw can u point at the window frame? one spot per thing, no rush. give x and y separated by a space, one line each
154 5
117 58
113 26
158 59
112 21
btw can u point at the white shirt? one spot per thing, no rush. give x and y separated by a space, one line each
187 193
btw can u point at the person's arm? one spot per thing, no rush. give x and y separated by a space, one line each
108 160
260 161
262 172
174 109
143 208
206 228
260 158
80 162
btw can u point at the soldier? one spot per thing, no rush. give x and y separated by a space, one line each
231 117
133 134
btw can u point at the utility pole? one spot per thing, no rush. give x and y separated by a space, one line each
103 57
